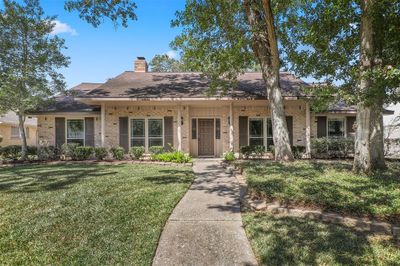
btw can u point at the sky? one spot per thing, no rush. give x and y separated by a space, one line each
98 54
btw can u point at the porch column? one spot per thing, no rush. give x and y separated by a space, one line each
308 131
231 126
103 124
179 128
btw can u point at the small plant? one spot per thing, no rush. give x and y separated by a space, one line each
12 152
117 153
298 151
68 149
100 153
156 149
174 156
136 152
46 153
82 153
230 156
246 151
259 150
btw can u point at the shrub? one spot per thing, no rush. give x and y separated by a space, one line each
100 153
259 150
82 153
246 151
117 153
31 150
46 153
332 147
136 152
298 151
69 149
12 152
156 149
230 156
174 156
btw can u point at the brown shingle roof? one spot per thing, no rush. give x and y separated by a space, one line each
188 85
68 104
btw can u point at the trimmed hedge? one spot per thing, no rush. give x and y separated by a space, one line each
100 153
117 153
332 147
136 152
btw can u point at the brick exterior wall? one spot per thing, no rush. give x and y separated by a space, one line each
5 132
295 108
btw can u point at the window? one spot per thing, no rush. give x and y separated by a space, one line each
76 131
217 128
15 132
147 132
256 131
270 139
336 127
138 135
194 128
155 132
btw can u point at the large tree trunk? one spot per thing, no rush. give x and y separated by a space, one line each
24 151
265 48
369 146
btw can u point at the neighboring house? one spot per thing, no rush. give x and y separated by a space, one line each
141 108
392 131
9 130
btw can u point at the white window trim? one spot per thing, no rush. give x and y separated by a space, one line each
265 130
344 119
15 136
66 130
146 130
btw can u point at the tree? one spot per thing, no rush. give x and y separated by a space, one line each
356 45
163 63
223 38
29 60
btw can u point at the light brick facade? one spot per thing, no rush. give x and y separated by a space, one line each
205 109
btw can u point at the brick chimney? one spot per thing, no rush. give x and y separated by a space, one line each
140 64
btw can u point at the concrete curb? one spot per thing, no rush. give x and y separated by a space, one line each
359 224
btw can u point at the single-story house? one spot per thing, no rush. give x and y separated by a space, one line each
9 130
141 108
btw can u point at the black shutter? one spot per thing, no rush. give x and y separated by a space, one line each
89 131
194 128
123 133
350 120
243 131
321 126
168 131
60 131
289 122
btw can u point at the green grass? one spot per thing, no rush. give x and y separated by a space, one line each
296 241
330 186
86 214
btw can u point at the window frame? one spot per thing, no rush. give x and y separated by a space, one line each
146 130
336 118
262 119
266 134
12 136
84 130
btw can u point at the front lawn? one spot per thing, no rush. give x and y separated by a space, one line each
328 185
297 241
86 214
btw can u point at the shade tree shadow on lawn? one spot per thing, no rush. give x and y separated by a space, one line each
298 241
330 186
48 177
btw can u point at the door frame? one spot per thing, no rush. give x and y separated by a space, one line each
197 140
213 137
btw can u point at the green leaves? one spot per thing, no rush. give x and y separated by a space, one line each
30 58
93 11
215 40
163 63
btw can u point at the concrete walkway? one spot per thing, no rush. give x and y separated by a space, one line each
205 228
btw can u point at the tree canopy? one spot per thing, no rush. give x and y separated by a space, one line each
164 63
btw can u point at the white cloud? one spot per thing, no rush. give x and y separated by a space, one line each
60 27
171 54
